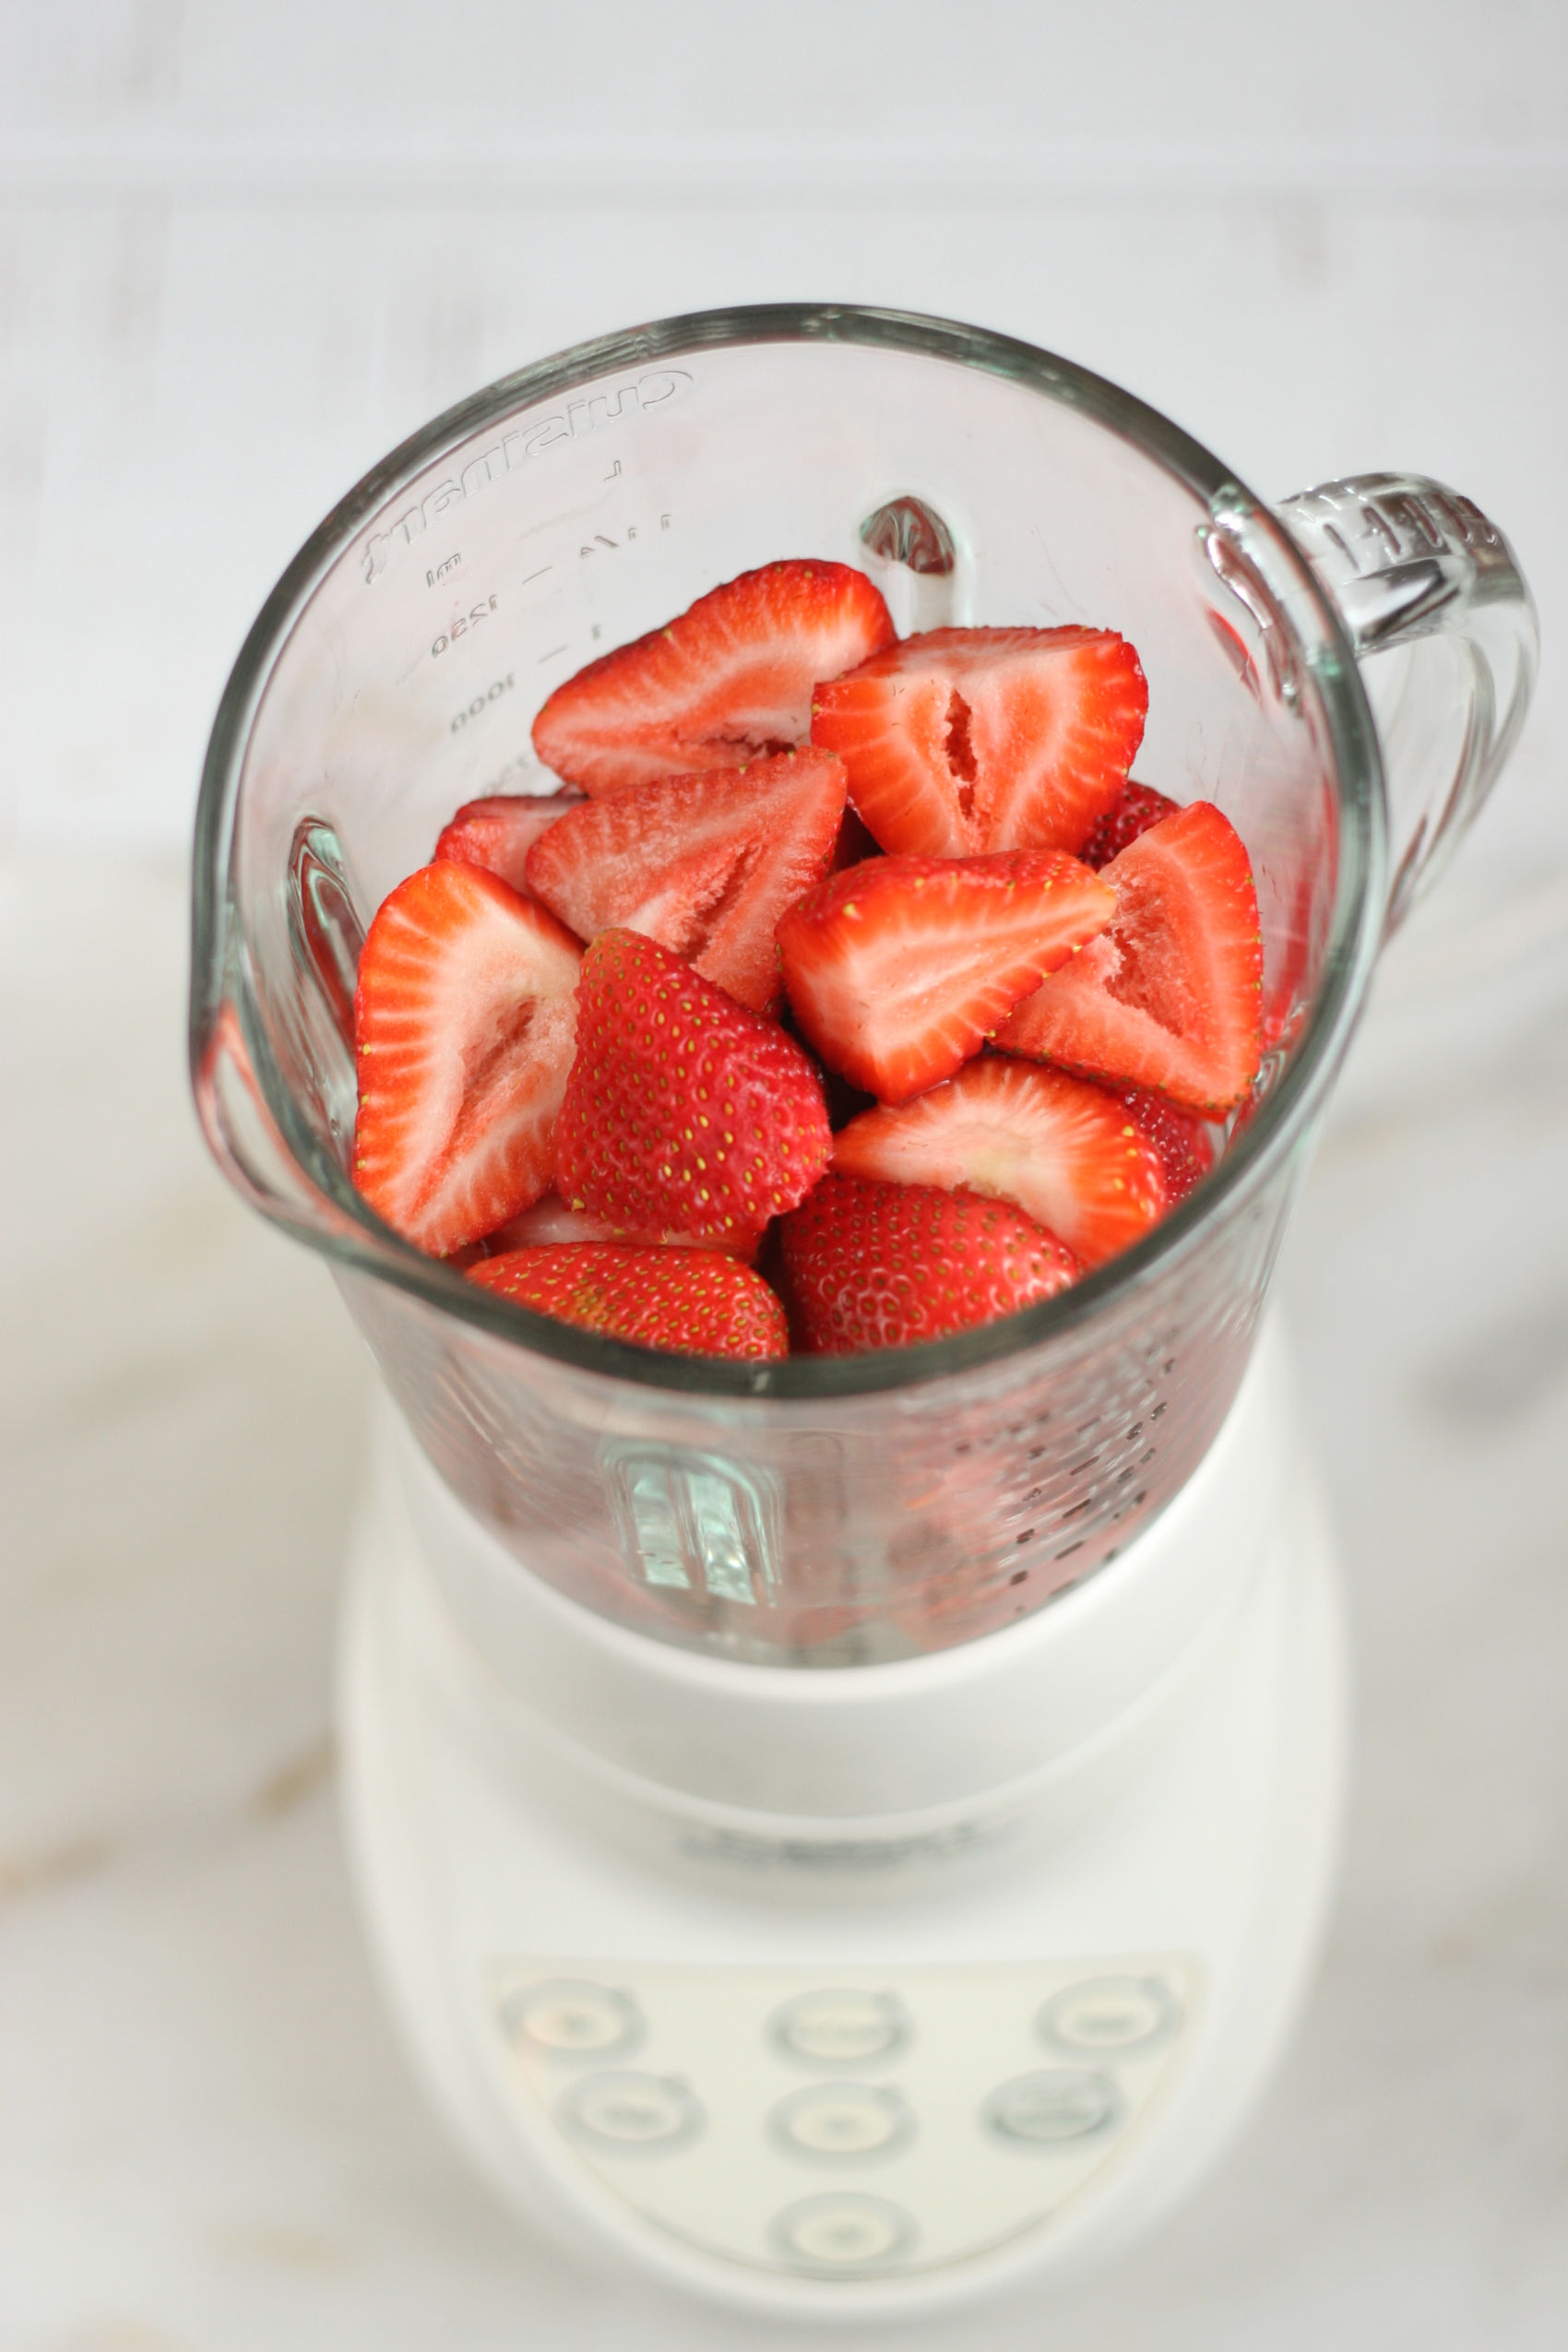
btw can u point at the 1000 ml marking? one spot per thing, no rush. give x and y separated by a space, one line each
481 703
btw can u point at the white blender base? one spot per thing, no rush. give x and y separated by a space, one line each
871 2075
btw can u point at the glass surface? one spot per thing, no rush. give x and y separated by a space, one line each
822 1511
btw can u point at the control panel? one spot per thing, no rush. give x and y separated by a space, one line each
854 2125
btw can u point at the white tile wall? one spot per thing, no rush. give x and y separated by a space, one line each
244 251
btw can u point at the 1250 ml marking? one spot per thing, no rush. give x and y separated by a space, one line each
463 623
481 703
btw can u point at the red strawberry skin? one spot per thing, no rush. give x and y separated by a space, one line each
463 1028
1183 1142
705 864
898 969
498 833
1139 807
691 1303
1169 995
1065 1152
684 1111
888 1265
729 681
963 741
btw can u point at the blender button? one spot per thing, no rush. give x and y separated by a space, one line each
626 2111
844 2234
842 2120
1109 2014
571 2019
1064 2103
841 2028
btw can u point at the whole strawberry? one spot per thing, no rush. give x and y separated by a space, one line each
697 1302
683 1110
888 1265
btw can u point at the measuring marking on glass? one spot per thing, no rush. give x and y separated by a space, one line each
517 442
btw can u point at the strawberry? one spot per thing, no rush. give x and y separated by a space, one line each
1168 996
729 680
898 969
696 1303
498 833
705 864
684 1111
463 1020
1183 1142
888 1265
550 1219
1065 1152
967 740
1139 807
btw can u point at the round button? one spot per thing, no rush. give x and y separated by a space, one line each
1064 2103
843 2121
1109 2014
844 2234
626 2111
842 2028
573 2020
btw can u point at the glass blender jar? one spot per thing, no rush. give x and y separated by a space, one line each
679 1696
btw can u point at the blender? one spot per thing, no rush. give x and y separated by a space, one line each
851 1833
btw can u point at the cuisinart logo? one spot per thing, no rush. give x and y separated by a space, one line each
514 447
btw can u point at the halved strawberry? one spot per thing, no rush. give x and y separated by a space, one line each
1066 1153
898 969
463 1024
1169 995
967 740
684 1111
705 864
552 1221
1139 807
695 1302
729 680
888 1265
499 832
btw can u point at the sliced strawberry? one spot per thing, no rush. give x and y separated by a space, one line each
498 833
552 1219
1169 995
967 740
705 864
729 680
695 1302
1139 807
1065 1152
684 1111
1183 1142
463 1023
888 1265
898 969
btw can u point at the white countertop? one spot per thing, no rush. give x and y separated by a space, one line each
208 2141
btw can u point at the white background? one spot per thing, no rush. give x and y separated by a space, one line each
244 249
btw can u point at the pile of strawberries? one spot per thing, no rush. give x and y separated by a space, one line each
848 993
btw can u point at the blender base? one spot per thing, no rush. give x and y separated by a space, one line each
892 2069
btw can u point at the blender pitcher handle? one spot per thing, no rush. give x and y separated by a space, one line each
1405 559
